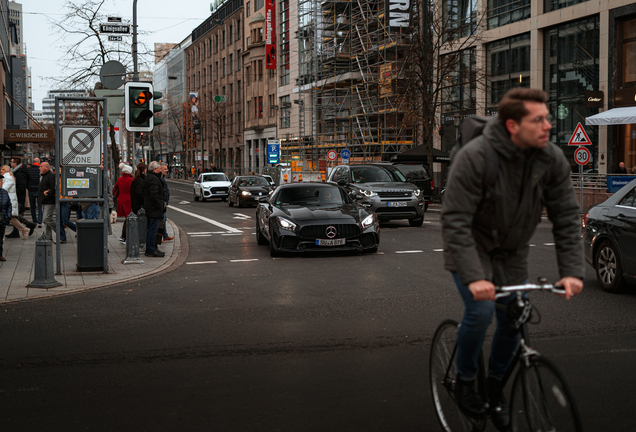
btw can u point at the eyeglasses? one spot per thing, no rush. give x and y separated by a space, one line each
539 120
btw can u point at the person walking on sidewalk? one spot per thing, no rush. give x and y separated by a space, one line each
166 197
10 186
153 204
5 214
21 175
46 195
136 197
33 187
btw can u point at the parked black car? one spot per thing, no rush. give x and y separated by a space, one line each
311 217
609 239
246 190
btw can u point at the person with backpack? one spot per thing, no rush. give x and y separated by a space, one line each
487 226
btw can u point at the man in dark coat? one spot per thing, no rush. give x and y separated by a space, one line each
46 195
486 240
153 205
33 185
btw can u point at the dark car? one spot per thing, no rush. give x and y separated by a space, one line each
246 190
418 174
310 217
609 239
381 188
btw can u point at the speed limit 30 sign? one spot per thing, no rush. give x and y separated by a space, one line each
582 156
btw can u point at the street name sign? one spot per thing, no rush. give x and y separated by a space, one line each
579 137
115 38
81 145
114 28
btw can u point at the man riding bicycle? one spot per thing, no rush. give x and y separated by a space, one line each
487 229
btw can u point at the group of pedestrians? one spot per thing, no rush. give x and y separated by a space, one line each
147 189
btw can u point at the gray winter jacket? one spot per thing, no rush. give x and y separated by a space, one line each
489 239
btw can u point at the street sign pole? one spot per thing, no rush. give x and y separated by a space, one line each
580 188
134 43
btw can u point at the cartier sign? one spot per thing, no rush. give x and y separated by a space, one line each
625 97
594 99
29 135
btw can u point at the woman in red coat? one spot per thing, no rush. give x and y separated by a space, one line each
122 191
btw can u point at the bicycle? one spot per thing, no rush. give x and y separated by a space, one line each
540 399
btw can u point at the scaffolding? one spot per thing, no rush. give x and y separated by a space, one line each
359 80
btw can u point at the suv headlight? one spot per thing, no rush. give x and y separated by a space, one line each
417 192
288 225
246 193
368 221
367 193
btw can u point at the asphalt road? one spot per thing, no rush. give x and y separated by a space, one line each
233 340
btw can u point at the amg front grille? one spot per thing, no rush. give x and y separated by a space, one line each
394 194
319 231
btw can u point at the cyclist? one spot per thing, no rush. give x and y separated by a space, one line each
487 231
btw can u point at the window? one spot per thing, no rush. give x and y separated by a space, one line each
502 12
247 75
247 9
285 112
238 29
259 4
284 42
459 17
210 47
238 60
216 43
239 123
260 106
204 81
551 5
223 66
229 68
230 39
231 93
223 41
217 70
249 109
259 34
240 92
260 70
272 104
508 67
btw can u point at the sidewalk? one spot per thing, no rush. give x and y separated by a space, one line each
19 268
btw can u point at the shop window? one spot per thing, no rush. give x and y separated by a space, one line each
508 67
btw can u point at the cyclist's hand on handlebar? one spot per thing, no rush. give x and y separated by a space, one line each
482 290
572 286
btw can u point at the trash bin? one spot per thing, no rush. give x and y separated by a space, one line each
90 245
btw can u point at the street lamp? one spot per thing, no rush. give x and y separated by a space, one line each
457 121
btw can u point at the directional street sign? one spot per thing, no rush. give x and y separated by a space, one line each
114 28
582 156
81 145
332 155
579 137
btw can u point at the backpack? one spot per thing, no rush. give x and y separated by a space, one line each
471 128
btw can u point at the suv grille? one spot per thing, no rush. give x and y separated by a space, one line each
219 189
394 194
318 231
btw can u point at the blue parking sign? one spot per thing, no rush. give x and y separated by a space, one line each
273 151
345 154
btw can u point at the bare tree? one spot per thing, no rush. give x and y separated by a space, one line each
215 118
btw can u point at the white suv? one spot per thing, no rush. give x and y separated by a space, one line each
211 185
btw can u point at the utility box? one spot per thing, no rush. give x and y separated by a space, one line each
90 245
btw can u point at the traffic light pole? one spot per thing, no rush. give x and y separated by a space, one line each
134 43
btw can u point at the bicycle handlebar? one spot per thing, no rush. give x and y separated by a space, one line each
507 290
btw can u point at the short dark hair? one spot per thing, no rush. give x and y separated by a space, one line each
511 106
17 160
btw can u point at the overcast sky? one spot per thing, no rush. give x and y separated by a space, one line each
167 20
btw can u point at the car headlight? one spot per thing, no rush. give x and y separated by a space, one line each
368 221
367 193
417 192
206 187
288 225
246 193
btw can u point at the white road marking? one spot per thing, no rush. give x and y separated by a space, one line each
242 216
202 262
232 234
532 245
548 244
184 202
379 253
244 260
202 235
210 221
427 222
438 250
411 251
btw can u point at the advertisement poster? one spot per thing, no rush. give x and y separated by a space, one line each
270 34
194 109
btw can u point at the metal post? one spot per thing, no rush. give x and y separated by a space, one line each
134 43
58 157
581 188
105 190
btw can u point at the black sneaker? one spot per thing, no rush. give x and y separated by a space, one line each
500 412
14 234
155 253
469 401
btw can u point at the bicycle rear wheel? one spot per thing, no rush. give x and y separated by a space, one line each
541 400
443 378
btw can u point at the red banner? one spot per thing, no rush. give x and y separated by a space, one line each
270 34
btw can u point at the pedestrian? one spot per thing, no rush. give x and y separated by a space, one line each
6 209
46 195
621 168
9 185
166 197
486 233
21 174
121 191
137 188
33 186
153 204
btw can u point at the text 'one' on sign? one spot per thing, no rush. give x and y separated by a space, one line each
81 145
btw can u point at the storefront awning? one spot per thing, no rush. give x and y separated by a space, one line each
614 116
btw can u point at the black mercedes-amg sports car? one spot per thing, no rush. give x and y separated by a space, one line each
311 217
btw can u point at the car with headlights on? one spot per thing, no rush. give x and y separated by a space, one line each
383 189
211 185
315 217
246 190
609 239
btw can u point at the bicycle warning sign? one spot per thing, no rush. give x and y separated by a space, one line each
81 145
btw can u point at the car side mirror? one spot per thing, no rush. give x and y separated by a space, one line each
263 199
342 183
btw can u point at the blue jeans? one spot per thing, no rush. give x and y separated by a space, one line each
472 332
34 203
165 231
65 219
153 228
92 212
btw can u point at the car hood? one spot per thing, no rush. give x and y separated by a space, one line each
387 185
341 214
215 183
264 190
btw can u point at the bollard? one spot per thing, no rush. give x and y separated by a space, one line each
132 240
143 228
43 265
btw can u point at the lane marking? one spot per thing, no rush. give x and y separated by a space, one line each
411 251
244 260
532 245
202 262
203 218
232 234
438 250
202 235
242 216
548 244
184 202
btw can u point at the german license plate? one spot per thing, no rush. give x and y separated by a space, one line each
333 242
396 204
219 192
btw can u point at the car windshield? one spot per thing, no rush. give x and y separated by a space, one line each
369 174
252 181
413 171
310 196
213 177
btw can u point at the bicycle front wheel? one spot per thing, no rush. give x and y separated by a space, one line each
443 378
541 400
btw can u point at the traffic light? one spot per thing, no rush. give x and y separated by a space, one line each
138 107
156 108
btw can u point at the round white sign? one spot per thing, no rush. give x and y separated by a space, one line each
332 155
582 156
